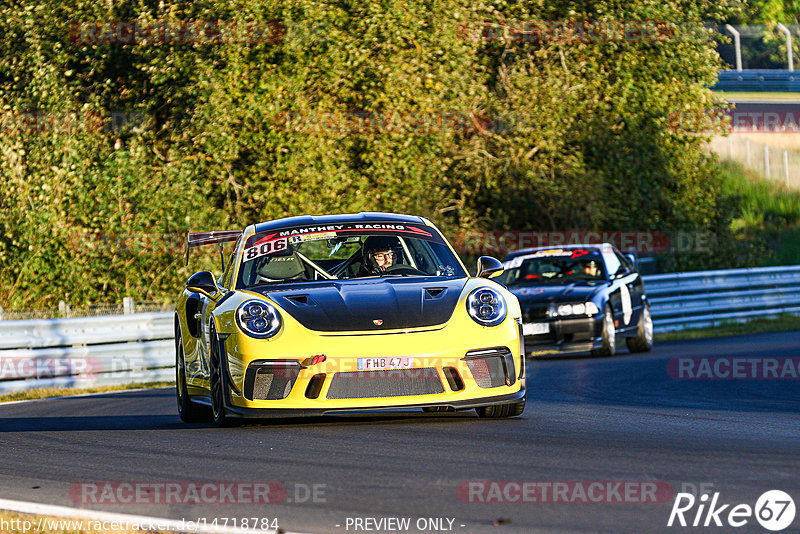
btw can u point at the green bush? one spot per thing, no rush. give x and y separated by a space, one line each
559 134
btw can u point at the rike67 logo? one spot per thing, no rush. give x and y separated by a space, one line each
774 510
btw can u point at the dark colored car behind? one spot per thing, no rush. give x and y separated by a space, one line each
579 298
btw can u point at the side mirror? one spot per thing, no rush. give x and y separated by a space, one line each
622 271
202 282
488 267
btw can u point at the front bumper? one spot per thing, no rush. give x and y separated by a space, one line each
264 413
479 367
578 334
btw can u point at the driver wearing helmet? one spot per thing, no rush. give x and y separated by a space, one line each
379 254
591 268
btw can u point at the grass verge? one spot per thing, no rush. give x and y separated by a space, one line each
768 215
44 393
754 95
782 323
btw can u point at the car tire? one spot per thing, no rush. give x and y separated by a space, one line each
502 410
218 385
188 411
643 341
609 335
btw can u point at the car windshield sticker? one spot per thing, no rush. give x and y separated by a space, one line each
357 228
265 246
316 236
333 231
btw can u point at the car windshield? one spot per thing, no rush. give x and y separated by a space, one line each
341 251
556 266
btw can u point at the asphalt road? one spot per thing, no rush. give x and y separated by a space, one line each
628 418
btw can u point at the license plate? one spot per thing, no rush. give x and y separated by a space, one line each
532 329
397 362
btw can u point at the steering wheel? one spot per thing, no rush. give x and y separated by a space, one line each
403 269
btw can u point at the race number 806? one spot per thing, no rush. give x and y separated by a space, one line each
270 247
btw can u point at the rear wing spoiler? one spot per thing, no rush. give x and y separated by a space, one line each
199 239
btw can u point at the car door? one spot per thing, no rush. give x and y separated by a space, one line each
626 304
621 281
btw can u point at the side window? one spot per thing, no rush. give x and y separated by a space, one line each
612 262
624 261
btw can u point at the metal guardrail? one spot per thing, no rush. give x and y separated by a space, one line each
708 298
136 348
758 80
86 352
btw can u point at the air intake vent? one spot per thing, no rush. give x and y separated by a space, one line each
300 299
453 378
315 386
491 368
270 380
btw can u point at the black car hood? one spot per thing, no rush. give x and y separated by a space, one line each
557 293
369 304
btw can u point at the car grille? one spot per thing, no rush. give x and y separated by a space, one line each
389 383
532 313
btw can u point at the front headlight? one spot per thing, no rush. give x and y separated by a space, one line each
258 319
583 308
486 307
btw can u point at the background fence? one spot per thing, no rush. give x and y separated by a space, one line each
139 347
773 162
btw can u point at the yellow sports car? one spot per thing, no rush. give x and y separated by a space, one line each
339 313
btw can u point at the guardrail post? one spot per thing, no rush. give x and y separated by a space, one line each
62 308
788 35
1 313
127 305
737 43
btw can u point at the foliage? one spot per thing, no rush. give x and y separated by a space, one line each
560 133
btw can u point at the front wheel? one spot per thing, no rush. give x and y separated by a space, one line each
502 410
608 345
218 385
188 411
643 341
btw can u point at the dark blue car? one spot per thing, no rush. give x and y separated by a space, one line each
578 298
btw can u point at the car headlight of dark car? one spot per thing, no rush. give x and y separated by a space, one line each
486 306
579 308
258 319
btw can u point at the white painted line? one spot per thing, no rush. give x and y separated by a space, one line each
95 515
79 395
